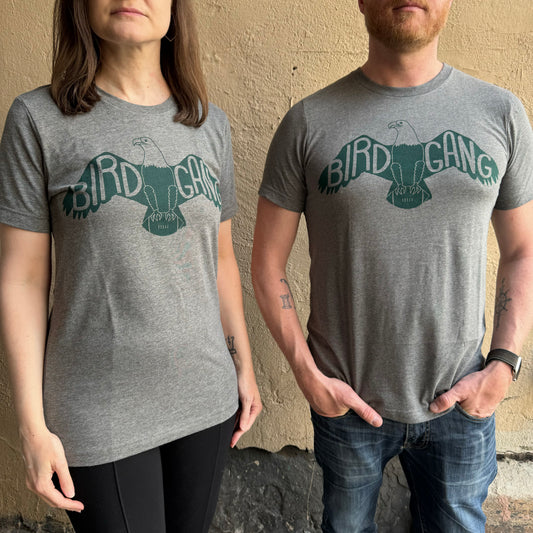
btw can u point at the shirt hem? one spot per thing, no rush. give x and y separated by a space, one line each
23 221
413 417
228 215
272 197
90 459
507 206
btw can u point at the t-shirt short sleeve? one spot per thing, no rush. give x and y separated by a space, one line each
23 185
227 179
517 183
284 175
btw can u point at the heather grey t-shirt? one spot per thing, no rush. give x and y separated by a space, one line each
136 354
398 186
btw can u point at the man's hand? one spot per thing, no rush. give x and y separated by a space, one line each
479 393
332 397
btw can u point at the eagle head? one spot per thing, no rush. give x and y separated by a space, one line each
397 124
143 142
405 134
152 154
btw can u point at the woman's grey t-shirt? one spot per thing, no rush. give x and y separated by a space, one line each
398 186
135 355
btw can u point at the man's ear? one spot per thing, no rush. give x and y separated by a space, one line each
361 6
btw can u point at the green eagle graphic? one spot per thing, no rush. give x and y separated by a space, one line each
407 163
154 183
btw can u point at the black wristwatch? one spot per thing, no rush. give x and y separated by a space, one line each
513 360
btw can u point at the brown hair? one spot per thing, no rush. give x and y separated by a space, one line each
76 59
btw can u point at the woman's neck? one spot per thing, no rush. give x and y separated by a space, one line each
133 74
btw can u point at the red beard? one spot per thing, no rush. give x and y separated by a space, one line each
405 30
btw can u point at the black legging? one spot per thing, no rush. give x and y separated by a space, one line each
170 489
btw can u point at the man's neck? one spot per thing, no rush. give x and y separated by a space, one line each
401 69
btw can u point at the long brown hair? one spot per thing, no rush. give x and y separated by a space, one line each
76 59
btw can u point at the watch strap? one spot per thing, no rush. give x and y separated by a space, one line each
513 360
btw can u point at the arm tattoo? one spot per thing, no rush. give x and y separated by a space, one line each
287 297
501 303
230 341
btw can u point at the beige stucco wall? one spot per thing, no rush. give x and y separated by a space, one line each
260 57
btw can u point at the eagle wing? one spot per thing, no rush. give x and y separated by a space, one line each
195 178
362 155
109 175
451 149
105 176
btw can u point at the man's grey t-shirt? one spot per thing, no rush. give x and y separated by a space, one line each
398 186
135 355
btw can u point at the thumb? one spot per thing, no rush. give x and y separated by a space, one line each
65 480
244 418
445 401
364 410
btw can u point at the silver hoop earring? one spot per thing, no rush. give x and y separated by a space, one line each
172 24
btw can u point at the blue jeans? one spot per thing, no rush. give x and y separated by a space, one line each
449 463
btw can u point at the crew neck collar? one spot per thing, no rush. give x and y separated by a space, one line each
427 87
124 105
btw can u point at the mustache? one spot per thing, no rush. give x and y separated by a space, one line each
423 4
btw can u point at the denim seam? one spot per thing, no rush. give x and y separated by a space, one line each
425 439
426 434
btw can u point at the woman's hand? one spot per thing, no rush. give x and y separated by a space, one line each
43 455
234 326
24 288
249 405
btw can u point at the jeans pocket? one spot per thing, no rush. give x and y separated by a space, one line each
470 417
340 417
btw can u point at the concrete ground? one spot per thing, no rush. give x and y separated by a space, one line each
280 493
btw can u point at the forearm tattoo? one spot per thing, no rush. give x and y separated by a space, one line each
230 341
286 297
502 301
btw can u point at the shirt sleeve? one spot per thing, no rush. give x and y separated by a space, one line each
23 183
227 179
284 175
516 188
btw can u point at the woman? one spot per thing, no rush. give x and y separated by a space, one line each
126 396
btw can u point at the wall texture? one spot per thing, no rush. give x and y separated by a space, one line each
260 58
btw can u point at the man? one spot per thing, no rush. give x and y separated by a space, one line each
399 168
